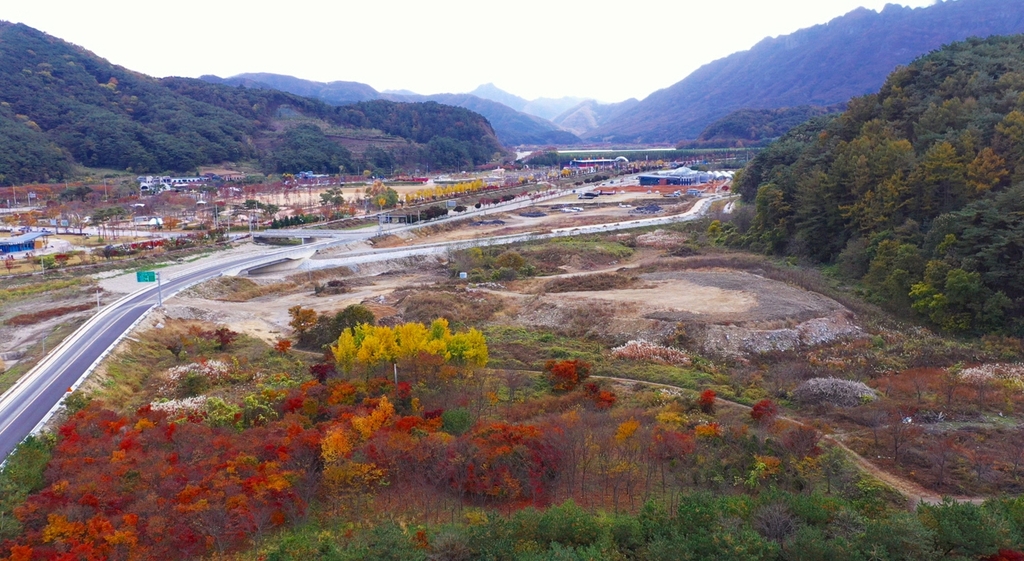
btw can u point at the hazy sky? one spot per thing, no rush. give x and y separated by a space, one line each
532 48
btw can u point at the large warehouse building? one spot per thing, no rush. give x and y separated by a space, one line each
683 176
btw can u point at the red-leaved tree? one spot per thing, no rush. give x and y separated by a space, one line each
764 412
706 401
565 375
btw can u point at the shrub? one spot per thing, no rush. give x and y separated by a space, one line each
192 385
706 401
510 259
456 421
764 411
505 274
833 391
565 375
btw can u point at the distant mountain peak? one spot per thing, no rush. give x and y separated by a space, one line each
494 93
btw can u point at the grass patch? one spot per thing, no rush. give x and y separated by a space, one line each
517 348
581 252
319 275
26 291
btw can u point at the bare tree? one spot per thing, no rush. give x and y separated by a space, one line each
1013 449
901 430
774 522
950 382
981 464
943 452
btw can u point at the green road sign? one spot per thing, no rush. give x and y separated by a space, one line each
145 276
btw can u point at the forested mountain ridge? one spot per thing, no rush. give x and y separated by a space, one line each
335 93
918 190
441 136
822 65
512 126
750 127
100 114
61 104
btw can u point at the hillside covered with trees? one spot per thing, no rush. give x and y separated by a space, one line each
752 127
916 190
62 105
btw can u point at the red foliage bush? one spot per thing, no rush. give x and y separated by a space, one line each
602 399
151 487
565 375
499 460
706 401
764 411
323 370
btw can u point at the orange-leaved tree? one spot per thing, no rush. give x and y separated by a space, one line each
565 375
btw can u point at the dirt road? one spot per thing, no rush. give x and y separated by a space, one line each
914 493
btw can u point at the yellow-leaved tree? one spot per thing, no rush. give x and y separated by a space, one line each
345 351
372 346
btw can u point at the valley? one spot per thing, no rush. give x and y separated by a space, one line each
772 312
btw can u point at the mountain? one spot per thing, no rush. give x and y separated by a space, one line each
512 127
916 192
61 105
822 65
376 135
588 115
494 93
335 93
399 92
544 107
751 127
84 109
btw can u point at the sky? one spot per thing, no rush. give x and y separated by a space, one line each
597 49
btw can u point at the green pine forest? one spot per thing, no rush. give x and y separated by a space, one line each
61 105
916 192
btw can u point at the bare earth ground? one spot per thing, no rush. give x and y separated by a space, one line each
602 210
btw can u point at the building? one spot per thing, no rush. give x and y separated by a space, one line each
678 176
25 242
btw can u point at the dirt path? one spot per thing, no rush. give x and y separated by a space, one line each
914 493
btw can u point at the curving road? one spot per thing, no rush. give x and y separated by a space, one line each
30 403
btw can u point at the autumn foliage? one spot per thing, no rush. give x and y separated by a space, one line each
764 411
706 401
565 375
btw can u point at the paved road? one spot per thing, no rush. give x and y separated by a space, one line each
30 402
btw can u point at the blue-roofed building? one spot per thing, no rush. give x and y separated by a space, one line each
25 242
